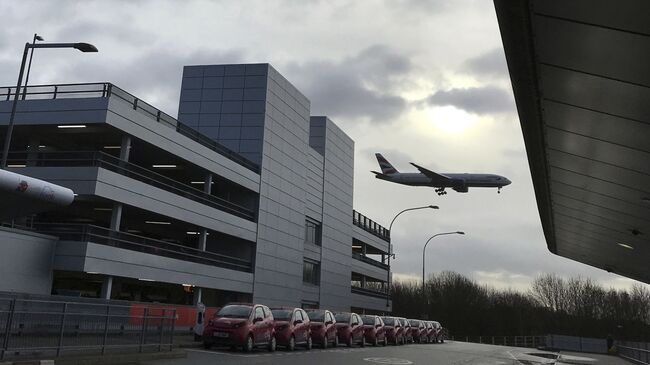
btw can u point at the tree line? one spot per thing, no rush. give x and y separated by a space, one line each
552 305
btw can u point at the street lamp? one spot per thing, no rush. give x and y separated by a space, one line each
425 248
29 65
83 47
390 230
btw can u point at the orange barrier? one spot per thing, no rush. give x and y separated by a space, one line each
185 314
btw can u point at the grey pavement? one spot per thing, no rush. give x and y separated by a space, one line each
452 353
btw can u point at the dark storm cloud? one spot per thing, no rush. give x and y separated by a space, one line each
492 63
476 100
358 86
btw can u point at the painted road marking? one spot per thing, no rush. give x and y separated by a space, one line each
388 360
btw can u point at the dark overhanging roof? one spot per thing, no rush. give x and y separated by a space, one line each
581 80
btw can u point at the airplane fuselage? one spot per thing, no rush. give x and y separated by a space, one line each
466 180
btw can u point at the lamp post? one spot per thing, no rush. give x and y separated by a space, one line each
29 64
83 47
390 231
425 248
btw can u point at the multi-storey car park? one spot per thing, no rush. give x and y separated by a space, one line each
244 197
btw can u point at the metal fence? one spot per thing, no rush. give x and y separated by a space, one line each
577 344
39 328
638 352
516 341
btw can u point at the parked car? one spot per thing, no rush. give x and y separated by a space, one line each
440 336
430 331
418 331
408 334
242 325
394 330
292 327
323 327
349 328
374 330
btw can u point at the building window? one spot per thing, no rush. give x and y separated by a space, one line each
312 232
311 272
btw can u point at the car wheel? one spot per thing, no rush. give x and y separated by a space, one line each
248 346
309 342
336 341
350 342
272 344
363 341
292 343
442 340
376 343
385 341
207 345
325 342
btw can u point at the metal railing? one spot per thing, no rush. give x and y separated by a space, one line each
370 226
128 241
637 352
516 341
368 260
105 89
369 292
39 328
106 161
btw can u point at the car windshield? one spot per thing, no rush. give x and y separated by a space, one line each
368 320
389 321
316 316
235 311
281 314
342 317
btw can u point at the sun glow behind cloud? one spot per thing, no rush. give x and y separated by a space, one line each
450 120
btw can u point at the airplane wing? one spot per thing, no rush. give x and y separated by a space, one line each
435 177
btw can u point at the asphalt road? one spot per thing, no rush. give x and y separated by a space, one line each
452 353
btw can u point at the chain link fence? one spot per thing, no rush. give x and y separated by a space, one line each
40 328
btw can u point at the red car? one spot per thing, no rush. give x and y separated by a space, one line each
394 330
408 334
349 328
418 332
323 327
430 331
292 328
440 336
374 330
241 325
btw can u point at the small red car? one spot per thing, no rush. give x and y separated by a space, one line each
408 334
349 328
418 332
374 330
242 325
292 328
430 331
394 330
323 327
439 334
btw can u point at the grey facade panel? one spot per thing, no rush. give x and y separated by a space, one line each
126 263
370 302
132 192
122 116
26 261
370 239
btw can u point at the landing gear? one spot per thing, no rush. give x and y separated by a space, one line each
499 190
441 191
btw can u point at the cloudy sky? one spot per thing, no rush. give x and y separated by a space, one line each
421 81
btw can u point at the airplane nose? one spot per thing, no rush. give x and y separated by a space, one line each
508 182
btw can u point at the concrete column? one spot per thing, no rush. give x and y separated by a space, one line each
107 287
116 216
207 185
364 249
198 293
363 282
125 148
32 151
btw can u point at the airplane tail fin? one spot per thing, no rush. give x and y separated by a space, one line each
386 167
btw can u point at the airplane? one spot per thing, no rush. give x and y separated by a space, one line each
458 182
